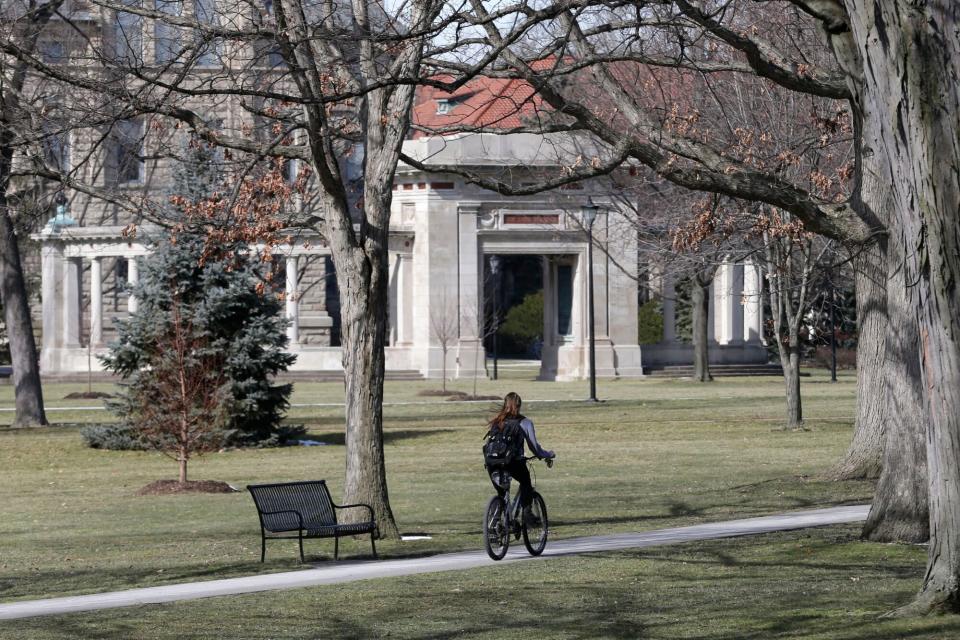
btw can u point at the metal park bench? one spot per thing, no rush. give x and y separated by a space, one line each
307 509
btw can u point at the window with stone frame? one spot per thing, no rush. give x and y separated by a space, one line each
53 51
266 50
289 170
208 50
55 136
168 38
125 161
56 146
125 36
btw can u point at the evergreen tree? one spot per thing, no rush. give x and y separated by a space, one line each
218 301
222 301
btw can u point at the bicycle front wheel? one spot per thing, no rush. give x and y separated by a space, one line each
496 535
535 526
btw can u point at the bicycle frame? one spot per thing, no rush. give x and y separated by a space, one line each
513 507
504 518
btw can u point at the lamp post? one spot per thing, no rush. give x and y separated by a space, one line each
589 214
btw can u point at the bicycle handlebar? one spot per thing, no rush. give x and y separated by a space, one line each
549 461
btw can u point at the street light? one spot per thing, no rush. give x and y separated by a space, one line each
589 214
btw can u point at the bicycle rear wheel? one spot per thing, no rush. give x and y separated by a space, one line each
536 527
496 535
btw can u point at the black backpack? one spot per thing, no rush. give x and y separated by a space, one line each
500 448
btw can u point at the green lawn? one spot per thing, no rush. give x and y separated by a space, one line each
657 453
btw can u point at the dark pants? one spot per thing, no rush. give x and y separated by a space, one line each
519 472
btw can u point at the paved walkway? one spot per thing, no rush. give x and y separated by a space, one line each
369 569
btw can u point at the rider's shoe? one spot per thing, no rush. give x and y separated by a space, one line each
530 519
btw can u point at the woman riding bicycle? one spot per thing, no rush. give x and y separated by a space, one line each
517 428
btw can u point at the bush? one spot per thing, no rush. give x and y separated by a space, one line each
846 358
115 437
650 323
522 327
123 437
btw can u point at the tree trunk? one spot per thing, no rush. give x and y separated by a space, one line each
862 460
363 286
912 87
700 301
183 468
790 359
28 393
900 512
889 426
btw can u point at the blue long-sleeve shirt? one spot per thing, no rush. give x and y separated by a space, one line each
530 435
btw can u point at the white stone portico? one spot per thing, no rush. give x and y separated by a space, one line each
443 230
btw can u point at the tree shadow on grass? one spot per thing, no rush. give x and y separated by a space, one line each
390 436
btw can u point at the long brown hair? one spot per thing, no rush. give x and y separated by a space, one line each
511 409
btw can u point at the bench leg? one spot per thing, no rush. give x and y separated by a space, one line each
336 547
300 540
263 546
373 545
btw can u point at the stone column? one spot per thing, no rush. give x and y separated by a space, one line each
724 287
133 277
752 304
470 354
393 325
548 350
96 302
401 292
72 290
292 302
668 298
52 294
471 271
737 303
713 323
579 329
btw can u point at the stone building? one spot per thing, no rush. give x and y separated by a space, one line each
443 231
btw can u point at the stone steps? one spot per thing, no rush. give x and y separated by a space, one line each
716 370
290 376
330 376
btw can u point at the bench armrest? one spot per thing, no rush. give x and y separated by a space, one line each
351 506
274 513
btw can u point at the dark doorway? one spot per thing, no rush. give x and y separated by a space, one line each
513 294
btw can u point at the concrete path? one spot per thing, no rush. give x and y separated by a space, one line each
369 569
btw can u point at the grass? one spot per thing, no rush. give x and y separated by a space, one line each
812 584
657 453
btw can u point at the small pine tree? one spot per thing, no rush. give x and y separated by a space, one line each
221 305
230 324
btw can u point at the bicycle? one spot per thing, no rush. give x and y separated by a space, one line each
500 523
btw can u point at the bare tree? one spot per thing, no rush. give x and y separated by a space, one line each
184 399
444 329
790 257
485 324
585 63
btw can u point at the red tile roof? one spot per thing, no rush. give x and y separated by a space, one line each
484 103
